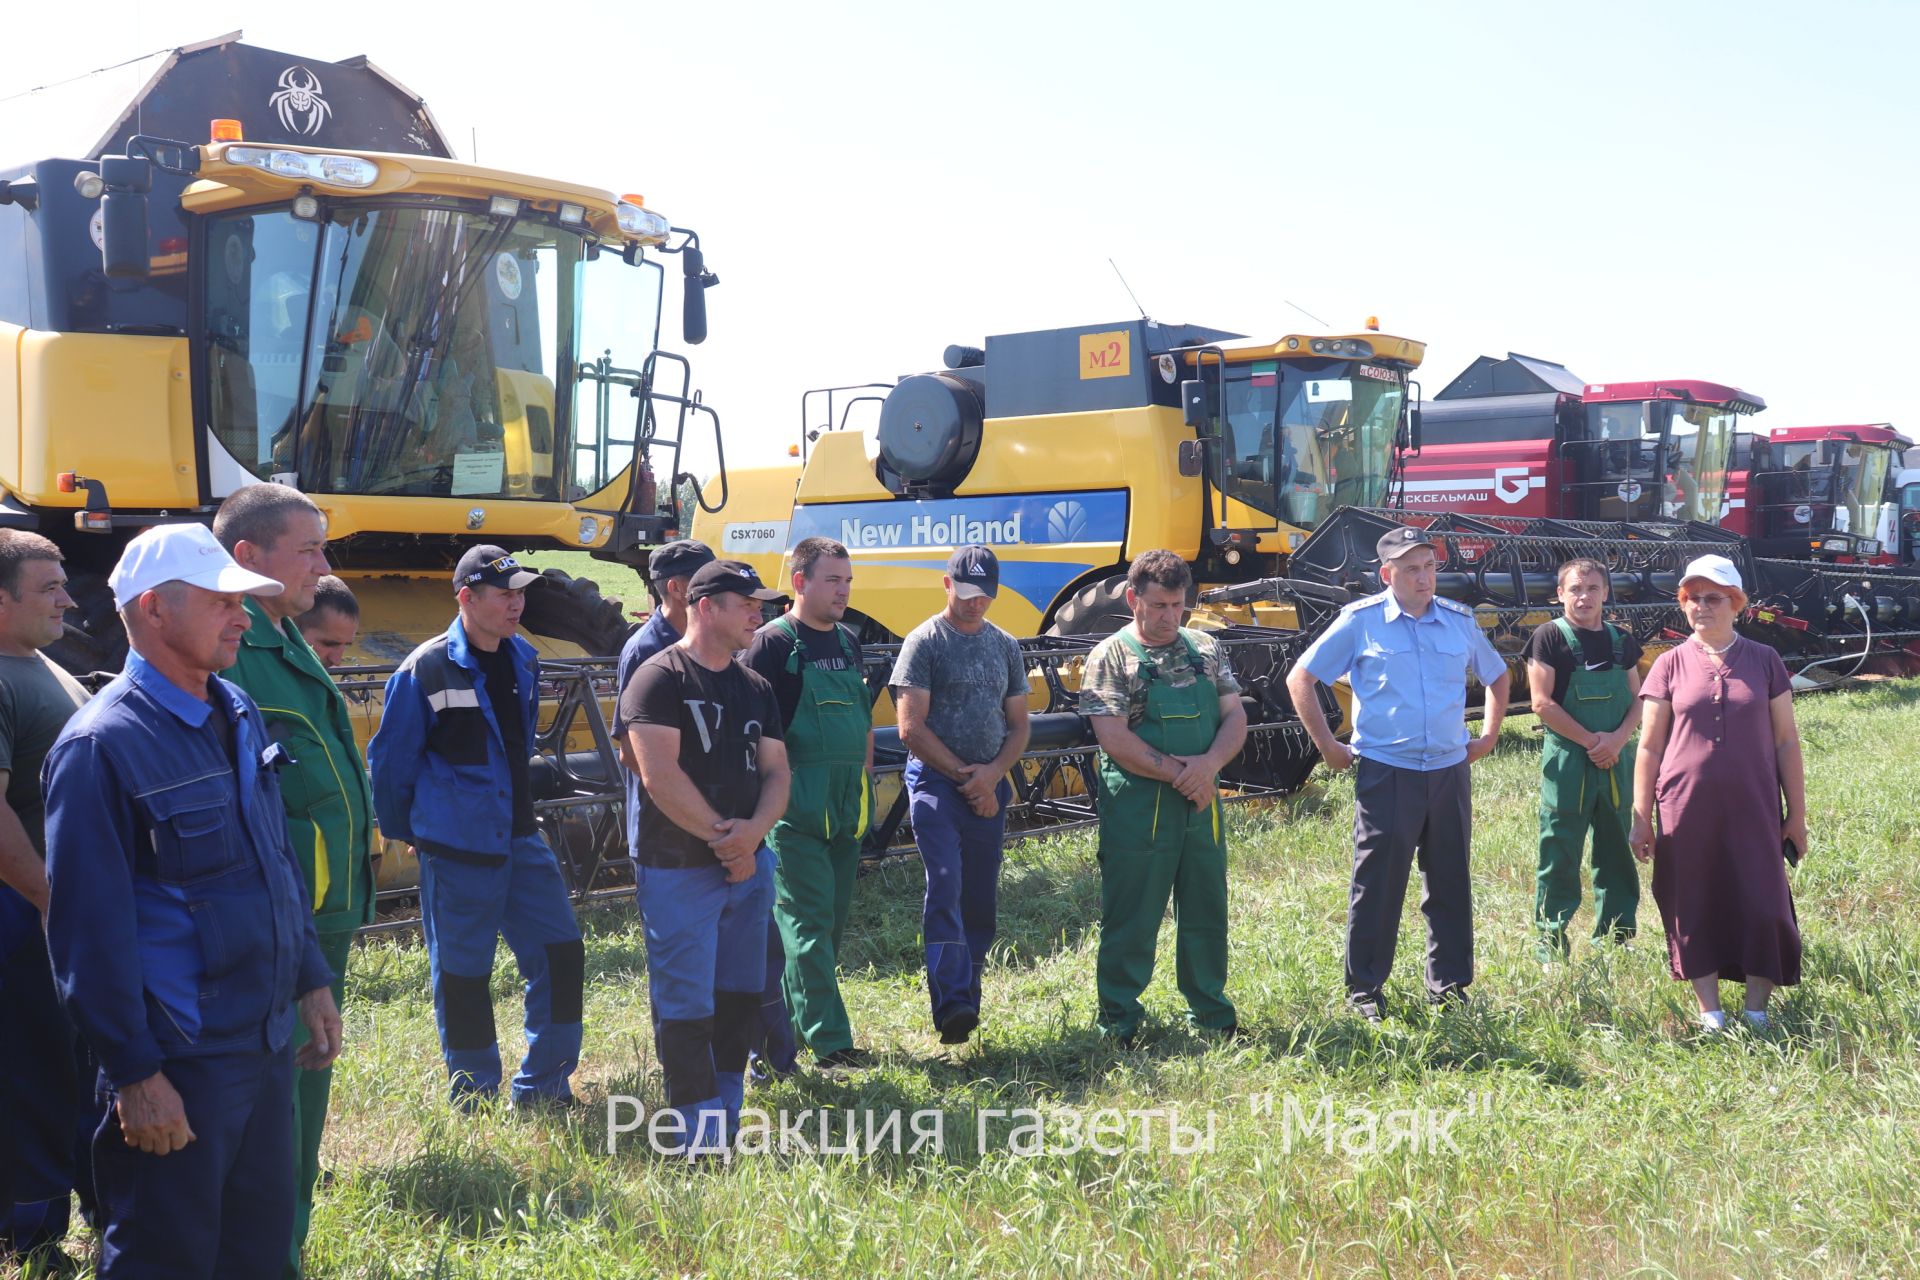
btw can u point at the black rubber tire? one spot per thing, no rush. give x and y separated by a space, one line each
572 610
94 640
1098 609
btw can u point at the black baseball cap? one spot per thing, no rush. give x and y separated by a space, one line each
975 572
723 576
487 566
1398 542
678 559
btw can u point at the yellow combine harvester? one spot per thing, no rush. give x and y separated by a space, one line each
311 290
263 267
1069 451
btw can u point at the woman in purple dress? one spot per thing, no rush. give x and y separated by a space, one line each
1719 752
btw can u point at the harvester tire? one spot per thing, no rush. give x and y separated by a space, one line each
94 639
569 609
1097 609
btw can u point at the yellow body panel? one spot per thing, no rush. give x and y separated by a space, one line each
115 407
838 470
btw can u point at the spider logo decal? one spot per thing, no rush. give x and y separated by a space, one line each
298 103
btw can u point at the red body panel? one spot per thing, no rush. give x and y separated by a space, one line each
1494 477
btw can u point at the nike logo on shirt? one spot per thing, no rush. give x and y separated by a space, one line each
1598 666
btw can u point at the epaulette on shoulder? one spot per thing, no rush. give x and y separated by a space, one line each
1454 606
1366 602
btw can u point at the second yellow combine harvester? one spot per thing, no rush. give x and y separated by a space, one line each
1069 451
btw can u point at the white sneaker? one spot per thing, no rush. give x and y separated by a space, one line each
1713 1020
1757 1019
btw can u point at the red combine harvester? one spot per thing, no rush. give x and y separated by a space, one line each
1525 437
1822 493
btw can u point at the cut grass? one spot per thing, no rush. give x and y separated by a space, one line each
1606 1136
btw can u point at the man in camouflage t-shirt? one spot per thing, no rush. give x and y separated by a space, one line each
1167 712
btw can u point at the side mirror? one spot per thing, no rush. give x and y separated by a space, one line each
693 315
123 216
1195 410
1193 457
1413 428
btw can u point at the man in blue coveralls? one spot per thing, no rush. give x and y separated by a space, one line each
179 927
450 768
1406 653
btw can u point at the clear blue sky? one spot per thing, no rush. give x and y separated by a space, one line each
1638 190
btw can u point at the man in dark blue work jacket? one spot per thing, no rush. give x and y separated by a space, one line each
450 768
180 929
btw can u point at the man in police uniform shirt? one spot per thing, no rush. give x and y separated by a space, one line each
1406 653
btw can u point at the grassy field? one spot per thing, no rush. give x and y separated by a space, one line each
1572 1122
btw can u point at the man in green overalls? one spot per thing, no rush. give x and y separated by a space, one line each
1585 679
1166 710
813 662
275 530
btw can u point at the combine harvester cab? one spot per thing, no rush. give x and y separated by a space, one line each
1828 493
1069 451
310 289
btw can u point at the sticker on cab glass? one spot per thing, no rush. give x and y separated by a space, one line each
506 269
1106 355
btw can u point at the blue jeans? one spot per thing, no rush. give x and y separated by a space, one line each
223 1204
706 966
961 852
464 908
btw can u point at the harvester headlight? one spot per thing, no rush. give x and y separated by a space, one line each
1319 346
335 171
1359 347
89 184
589 530
306 208
573 214
1836 544
503 207
644 223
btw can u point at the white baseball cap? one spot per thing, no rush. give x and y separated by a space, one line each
1714 569
186 553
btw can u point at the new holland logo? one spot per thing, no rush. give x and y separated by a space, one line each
1066 522
298 102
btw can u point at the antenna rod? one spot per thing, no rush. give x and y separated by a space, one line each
1308 314
1129 289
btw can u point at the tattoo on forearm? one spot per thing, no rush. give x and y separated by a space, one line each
1159 761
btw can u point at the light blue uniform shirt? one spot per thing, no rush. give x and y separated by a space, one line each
1409 677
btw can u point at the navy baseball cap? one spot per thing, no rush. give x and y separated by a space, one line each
1398 542
975 572
486 566
680 559
723 576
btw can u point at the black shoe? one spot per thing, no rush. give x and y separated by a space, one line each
1370 1005
1449 995
959 1026
1232 1033
849 1059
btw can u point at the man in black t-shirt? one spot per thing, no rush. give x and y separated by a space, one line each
707 733
1585 677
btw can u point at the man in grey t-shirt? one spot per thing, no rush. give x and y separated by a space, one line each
960 692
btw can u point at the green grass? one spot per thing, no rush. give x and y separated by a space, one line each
1607 1136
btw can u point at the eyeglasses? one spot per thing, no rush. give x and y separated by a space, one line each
1711 601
